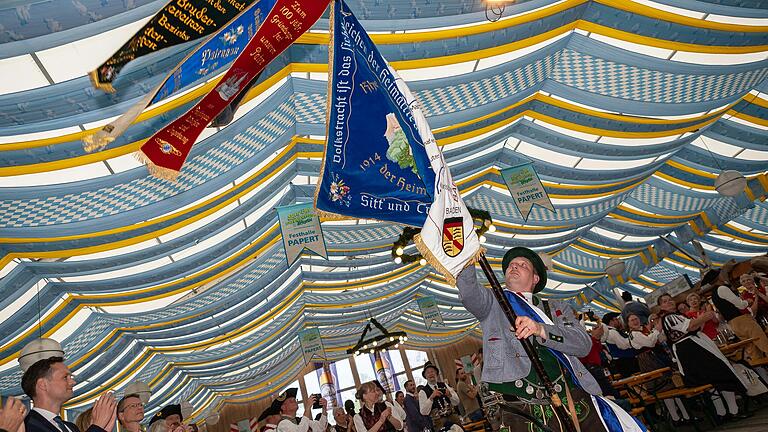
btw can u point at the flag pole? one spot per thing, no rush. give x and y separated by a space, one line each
538 367
683 251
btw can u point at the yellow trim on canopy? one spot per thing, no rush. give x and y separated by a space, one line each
452 33
668 44
162 107
749 118
646 223
688 169
163 218
379 39
651 12
318 38
285 304
300 289
620 134
606 250
643 213
50 315
747 234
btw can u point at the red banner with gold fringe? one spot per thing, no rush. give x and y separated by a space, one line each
165 152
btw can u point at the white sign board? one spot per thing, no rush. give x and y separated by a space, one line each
673 288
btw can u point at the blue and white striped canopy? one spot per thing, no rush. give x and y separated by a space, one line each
628 109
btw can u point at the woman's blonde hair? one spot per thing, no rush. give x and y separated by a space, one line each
83 420
158 426
688 297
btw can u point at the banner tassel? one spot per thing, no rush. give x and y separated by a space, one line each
155 170
434 262
105 86
111 131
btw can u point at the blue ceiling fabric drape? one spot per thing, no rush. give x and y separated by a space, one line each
628 140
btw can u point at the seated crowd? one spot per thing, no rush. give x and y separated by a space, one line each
682 337
679 339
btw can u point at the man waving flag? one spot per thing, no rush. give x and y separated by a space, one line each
382 162
381 159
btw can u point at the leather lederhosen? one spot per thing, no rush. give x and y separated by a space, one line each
443 412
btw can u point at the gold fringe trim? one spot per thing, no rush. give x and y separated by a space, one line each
434 262
107 87
96 142
329 93
117 127
154 170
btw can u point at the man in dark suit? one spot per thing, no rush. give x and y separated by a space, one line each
415 421
49 384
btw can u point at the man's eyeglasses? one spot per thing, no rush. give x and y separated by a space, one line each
134 405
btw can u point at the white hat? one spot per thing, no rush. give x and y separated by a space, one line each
39 349
139 388
186 409
212 419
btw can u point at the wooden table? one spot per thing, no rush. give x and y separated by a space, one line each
636 393
641 378
730 348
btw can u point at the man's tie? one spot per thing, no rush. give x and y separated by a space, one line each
61 424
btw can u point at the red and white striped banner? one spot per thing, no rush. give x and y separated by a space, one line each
247 425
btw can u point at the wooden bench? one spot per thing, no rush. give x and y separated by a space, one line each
686 392
761 362
475 426
636 411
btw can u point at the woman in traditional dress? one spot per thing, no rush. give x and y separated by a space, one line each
651 356
699 359
709 328
375 416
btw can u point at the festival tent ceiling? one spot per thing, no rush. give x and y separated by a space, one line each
628 110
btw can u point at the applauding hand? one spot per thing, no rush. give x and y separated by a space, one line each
105 412
12 415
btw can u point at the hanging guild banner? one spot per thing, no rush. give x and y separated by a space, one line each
301 230
385 372
177 22
429 310
466 363
526 188
165 152
246 425
370 170
381 160
216 52
328 377
311 344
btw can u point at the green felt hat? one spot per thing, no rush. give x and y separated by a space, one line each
533 257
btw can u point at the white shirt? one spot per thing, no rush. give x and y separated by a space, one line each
360 426
398 411
639 340
49 416
425 403
726 294
613 337
304 425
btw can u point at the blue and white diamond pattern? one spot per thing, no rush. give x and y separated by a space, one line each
127 196
610 78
